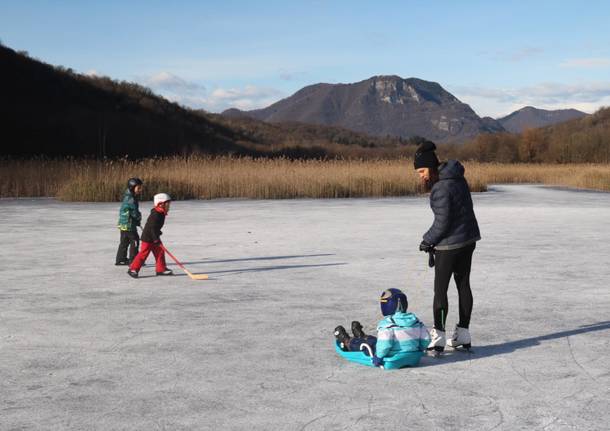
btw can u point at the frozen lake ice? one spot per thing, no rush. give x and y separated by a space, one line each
83 346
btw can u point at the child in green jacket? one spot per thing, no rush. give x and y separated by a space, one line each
129 219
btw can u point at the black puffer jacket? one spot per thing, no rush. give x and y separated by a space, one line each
455 225
152 228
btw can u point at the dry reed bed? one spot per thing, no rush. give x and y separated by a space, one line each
223 177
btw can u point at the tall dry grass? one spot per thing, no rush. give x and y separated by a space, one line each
223 177
580 176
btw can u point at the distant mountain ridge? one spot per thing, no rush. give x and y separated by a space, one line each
52 111
530 117
381 105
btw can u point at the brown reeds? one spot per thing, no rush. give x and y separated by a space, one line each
225 177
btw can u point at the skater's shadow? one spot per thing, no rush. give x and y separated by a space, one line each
256 269
479 352
247 259
273 268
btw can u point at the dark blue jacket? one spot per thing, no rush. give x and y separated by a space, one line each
455 225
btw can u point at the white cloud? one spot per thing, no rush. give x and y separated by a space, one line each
92 72
586 63
560 93
496 102
173 83
195 95
248 97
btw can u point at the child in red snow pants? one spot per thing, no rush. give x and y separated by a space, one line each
151 240
145 249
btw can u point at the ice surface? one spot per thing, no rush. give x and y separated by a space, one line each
85 347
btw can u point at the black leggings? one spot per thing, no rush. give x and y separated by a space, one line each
457 263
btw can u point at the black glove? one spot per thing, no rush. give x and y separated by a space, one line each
424 246
378 362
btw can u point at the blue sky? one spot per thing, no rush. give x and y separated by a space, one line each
495 56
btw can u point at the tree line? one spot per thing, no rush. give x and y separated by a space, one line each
583 140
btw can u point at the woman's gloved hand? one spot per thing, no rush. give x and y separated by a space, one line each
424 246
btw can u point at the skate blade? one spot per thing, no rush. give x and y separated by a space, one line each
463 348
435 352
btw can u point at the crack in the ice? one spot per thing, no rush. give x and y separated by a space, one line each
492 402
462 371
576 362
533 386
314 420
499 411
523 376
550 423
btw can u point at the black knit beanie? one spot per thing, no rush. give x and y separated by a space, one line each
425 157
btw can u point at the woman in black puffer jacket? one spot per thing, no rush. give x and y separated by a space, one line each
452 238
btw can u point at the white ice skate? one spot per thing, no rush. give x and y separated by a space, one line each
437 341
461 337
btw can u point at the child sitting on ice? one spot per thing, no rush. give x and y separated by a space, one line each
151 238
399 331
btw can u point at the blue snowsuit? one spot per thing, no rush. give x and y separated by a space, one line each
398 333
401 333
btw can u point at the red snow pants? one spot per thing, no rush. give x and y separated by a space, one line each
145 249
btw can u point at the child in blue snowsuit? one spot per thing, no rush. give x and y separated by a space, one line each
398 332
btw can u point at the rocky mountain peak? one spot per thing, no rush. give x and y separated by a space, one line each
394 90
381 105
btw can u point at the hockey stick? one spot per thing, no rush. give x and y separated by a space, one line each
189 273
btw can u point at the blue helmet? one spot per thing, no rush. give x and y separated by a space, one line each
393 300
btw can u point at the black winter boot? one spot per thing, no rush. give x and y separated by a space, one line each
357 330
342 337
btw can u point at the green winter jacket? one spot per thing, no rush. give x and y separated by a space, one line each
129 214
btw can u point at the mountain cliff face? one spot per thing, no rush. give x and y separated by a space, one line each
530 117
381 105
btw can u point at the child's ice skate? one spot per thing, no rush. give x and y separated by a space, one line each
357 330
132 273
461 337
342 337
437 342
166 272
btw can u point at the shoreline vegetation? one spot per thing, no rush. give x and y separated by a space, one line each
226 177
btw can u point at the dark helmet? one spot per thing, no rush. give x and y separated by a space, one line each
133 182
393 300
